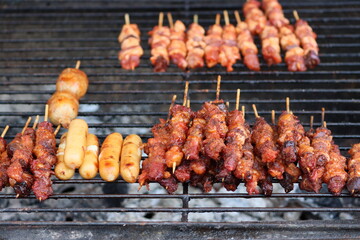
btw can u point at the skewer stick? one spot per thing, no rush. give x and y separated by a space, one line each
46 113
322 116
324 124
5 131
311 121
255 111
171 105
188 103
26 125
186 92
173 167
227 105
237 99
196 19
296 15
127 19
226 17
218 87
36 122
161 19
217 19
170 19
243 110
57 130
273 117
237 16
288 104
78 63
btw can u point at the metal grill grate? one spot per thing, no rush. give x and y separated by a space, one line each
40 38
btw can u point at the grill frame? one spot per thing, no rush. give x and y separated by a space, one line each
104 66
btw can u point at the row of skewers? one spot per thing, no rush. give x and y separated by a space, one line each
192 48
26 163
217 145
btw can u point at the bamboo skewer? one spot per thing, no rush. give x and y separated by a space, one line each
237 17
5 131
243 110
311 121
288 104
78 63
217 19
170 19
161 19
296 15
218 88
36 122
196 19
186 93
171 105
127 19
255 111
57 130
46 113
26 125
226 17
273 117
237 99
323 117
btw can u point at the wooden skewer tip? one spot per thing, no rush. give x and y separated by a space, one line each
57 130
226 17
311 121
186 90
127 19
5 131
196 19
217 19
173 167
26 125
288 104
255 111
36 122
243 110
46 112
296 15
237 99
218 87
161 19
237 17
170 19
273 117
78 63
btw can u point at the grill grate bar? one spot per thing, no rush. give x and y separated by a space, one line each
179 210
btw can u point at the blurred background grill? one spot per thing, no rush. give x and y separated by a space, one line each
38 39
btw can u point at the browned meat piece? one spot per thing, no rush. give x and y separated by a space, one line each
353 166
195 137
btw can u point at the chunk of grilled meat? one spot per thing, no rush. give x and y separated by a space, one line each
159 41
131 50
353 166
195 45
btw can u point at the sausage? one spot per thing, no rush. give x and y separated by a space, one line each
61 170
63 107
109 158
90 166
74 81
76 147
130 158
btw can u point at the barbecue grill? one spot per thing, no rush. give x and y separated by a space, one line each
39 38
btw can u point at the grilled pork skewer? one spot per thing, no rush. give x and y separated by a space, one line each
19 150
246 45
159 42
154 166
235 139
254 17
270 43
4 160
294 56
131 50
308 41
229 52
45 152
274 13
177 48
335 175
353 166
195 45
178 124
213 42
290 133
